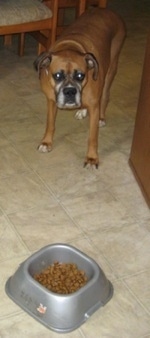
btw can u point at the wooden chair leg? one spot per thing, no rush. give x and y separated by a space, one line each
81 6
41 48
7 40
21 44
55 8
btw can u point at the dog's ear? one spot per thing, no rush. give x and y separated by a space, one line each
42 61
92 63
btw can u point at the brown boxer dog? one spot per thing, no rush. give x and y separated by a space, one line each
78 71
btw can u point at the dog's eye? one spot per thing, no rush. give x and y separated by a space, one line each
78 76
59 76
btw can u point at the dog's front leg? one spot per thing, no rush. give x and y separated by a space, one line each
47 141
92 153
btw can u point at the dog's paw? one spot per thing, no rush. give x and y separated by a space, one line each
44 147
102 123
91 163
81 114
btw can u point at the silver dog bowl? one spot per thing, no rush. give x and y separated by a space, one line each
61 313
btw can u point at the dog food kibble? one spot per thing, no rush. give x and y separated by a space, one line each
63 278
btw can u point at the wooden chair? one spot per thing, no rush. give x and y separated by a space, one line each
79 7
44 19
27 16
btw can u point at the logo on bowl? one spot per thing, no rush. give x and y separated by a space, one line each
41 308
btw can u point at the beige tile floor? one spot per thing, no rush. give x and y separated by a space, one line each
49 198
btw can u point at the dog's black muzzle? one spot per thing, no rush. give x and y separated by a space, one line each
69 94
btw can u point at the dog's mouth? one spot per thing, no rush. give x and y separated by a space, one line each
68 105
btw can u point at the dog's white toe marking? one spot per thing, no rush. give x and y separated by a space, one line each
43 148
81 114
102 123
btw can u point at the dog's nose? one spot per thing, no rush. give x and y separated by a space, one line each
69 92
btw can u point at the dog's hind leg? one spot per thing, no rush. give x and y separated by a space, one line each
116 45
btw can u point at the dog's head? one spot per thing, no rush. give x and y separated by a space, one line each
67 74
